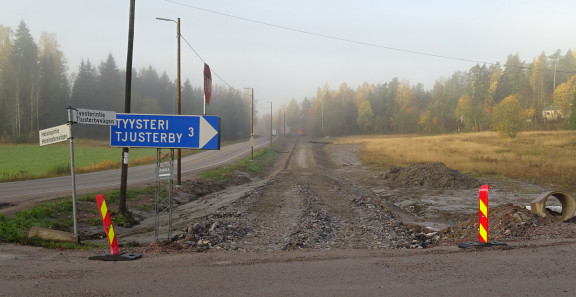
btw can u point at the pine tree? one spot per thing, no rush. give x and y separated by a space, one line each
24 60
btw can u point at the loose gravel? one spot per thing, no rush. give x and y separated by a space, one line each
305 206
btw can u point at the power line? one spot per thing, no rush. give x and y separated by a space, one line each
344 40
211 69
330 36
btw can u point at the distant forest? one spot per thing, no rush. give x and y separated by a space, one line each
36 88
540 95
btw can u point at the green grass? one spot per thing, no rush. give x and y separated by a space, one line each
57 214
32 161
26 161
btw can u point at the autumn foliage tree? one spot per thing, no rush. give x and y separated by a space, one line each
507 117
563 95
572 118
365 116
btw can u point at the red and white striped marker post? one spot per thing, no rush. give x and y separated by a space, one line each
483 214
105 214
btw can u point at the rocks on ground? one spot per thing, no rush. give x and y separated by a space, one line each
509 223
299 208
301 212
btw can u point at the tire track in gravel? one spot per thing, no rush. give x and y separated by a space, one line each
306 205
361 221
331 213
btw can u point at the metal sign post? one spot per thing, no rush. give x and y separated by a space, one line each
165 132
73 171
84 116
163 197
64 132
59 134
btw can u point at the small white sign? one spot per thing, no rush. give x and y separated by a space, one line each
94 117
54 134
164 173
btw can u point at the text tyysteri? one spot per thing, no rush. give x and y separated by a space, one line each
151 130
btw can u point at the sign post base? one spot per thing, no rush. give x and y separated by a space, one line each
479 244
122 256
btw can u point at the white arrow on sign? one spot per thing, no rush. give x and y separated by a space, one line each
207 132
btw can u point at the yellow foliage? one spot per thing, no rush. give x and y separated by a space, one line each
529 113
424 118
507 117
564 94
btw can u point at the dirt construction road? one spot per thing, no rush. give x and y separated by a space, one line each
322 225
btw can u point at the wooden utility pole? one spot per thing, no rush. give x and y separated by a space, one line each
270 124
252 130
127 97
178 97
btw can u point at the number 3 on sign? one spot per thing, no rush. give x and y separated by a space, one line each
191 134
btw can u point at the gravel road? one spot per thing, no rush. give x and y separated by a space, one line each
320 225
304 205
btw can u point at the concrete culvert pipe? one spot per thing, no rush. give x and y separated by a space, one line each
538 206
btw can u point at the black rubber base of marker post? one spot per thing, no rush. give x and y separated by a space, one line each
123 256
479 244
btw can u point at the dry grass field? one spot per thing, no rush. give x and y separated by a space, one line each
545 157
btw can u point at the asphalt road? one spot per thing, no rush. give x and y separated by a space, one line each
21 193
542 269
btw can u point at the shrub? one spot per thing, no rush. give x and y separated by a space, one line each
507 117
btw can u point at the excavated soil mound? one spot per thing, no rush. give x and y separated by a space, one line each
509 222
430 175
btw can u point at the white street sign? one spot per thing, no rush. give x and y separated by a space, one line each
54 134
94 117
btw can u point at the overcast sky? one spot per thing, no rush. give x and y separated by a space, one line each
282 64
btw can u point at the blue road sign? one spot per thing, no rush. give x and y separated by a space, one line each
165 131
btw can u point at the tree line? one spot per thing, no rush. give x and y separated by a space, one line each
36 89
516 95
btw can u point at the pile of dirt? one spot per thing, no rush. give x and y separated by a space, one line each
509 222
429 175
